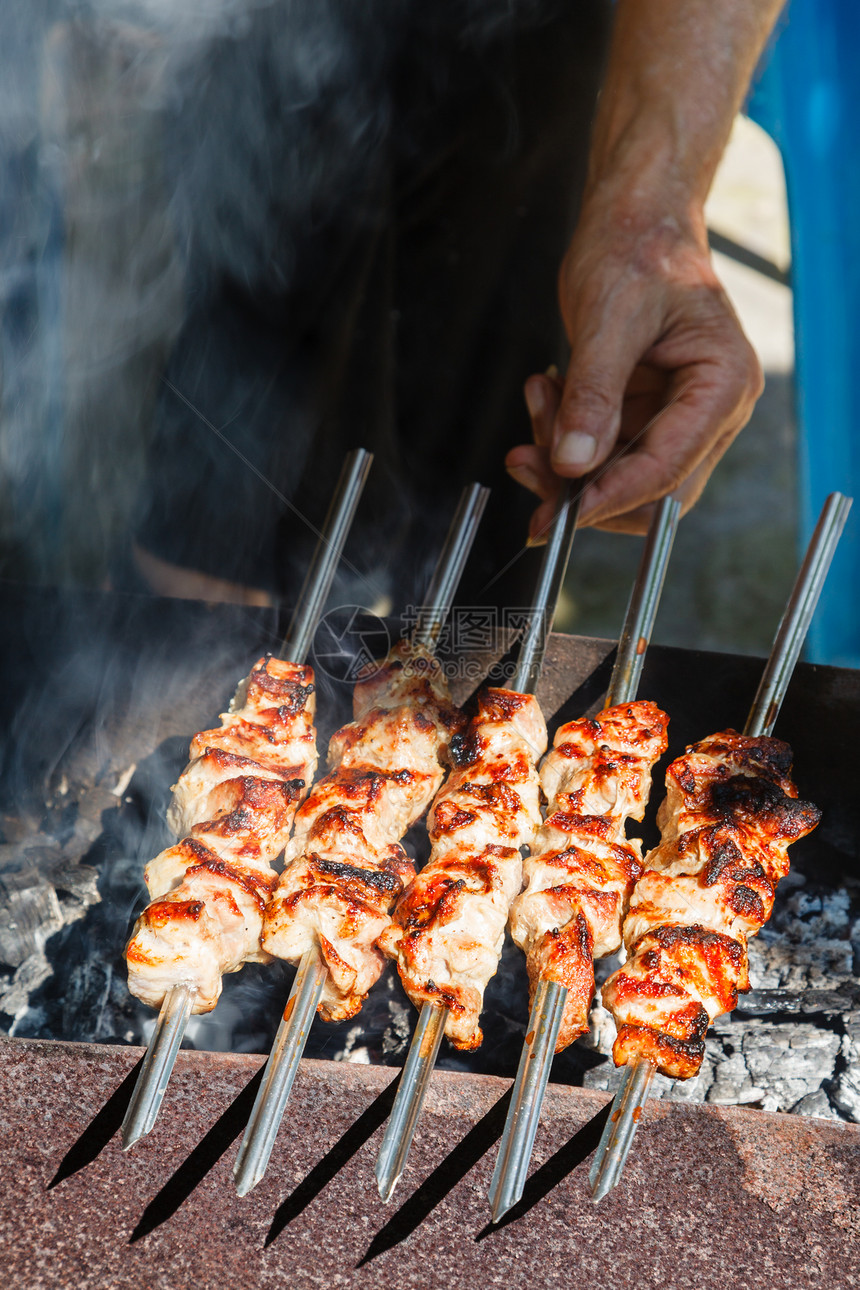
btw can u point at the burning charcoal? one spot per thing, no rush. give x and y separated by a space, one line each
29 914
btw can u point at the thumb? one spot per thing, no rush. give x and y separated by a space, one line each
589 418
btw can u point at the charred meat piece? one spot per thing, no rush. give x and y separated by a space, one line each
345 867
583 868
728 818
449 927
234 806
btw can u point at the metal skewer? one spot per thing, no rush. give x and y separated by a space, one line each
172 1022
424 1048
620 1129
547 1009
283 1062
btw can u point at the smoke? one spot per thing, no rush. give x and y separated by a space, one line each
151 152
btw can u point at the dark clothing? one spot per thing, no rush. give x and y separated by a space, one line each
374 201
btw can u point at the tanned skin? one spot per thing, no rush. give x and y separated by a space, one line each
650 328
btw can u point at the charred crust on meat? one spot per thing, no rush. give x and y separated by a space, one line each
722 853
684 775
747 904
379 880
446 998
465 749
448 818
500 705
165 911
668 936
591 825
661 1046
255 885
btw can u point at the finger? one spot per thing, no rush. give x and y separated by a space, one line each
529 466
543 397
605 352
694 429
541 523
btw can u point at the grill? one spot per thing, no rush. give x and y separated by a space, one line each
100 695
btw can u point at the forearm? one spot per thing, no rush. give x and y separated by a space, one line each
677 74
660 377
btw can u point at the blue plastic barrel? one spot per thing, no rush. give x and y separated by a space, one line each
808 98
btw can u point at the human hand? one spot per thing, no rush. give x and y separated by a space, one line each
661 376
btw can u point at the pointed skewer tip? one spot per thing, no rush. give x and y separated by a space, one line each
602 1187
386 1187
244 1185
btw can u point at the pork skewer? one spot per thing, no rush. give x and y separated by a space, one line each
765 764
345 867
597 774
451 923
234 805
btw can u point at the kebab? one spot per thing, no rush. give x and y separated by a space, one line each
448 930
232 808
346 867
730 813
583 867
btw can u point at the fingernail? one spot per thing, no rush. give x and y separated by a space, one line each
526 476
552 372
575 449
535 399
539 539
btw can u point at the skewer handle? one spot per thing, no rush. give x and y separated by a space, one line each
550 579
450 565
157 1065
792 630
281 1070
411 1092
321 571
644 599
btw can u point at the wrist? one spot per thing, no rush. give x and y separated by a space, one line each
645 203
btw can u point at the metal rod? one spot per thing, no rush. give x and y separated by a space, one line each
280 1072
644 599
322 568
618 1135
530 1084
293 1033
422 1055
400 1128
518 1138
176 1008
550 578
794 625
620 1128
157 1065
450 565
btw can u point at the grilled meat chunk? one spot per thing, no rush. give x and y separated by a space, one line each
728 818
449 927
345 867
234 806
583 868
